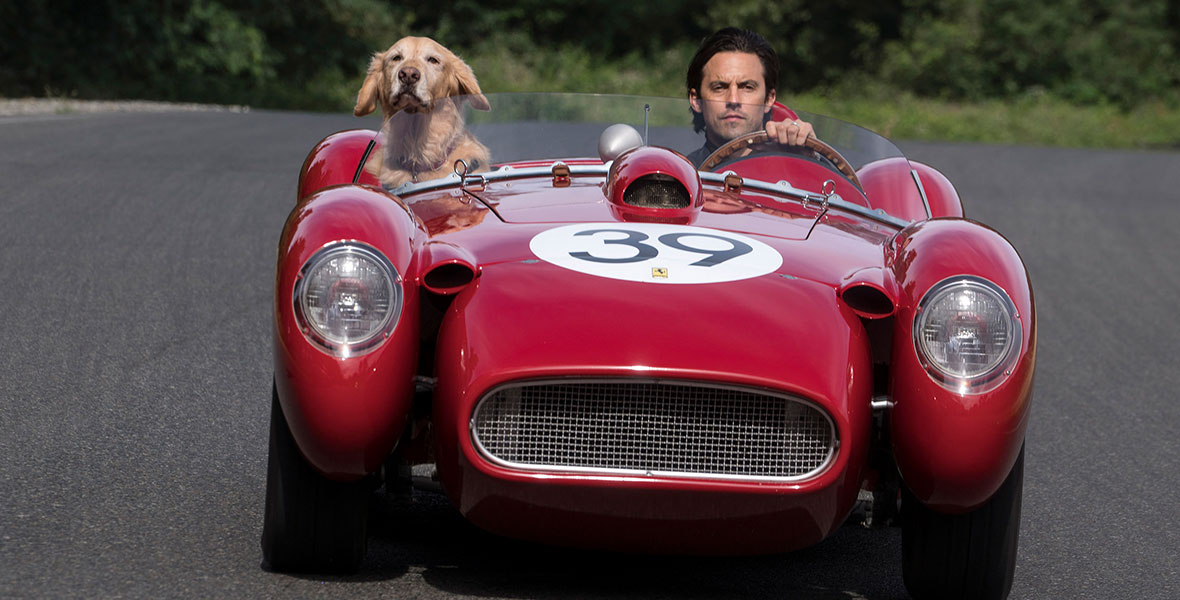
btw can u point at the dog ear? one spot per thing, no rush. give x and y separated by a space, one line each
366 99
466 85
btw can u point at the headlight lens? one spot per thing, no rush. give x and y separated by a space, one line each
967 334
348 298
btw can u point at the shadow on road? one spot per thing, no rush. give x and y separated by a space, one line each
430 538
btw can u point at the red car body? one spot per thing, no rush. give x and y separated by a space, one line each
832 329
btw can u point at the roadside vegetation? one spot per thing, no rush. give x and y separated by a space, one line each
1085 73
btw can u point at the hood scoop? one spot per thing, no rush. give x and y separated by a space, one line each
654 185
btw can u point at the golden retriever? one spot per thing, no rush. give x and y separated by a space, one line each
418 75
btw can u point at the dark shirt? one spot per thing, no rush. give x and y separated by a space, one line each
699 155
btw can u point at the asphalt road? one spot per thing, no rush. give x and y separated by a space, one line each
136 257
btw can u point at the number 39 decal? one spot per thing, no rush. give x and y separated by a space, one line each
655 253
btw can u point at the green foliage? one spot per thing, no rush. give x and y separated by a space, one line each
1088 51
576 46
606 30
224 44
262 52
502 66
312 54
818 43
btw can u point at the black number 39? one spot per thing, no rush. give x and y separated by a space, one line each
645 251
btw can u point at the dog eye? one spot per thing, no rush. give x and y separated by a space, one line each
433 60
396 58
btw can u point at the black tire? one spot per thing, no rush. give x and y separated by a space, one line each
972 555
312 524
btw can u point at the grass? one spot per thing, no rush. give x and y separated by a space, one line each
1041 121
1036 119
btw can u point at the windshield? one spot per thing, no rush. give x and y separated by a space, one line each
532 129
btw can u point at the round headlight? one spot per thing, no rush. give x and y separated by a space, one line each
347 298
967 334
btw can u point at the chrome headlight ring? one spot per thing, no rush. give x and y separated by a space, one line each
347 298
967 334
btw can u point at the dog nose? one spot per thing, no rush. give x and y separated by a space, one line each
409 75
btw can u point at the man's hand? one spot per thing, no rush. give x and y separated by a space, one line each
791 133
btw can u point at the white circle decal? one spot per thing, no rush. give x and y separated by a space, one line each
655 252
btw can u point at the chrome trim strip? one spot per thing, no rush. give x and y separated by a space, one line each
833 446
503 173
781 188
360 167
921 192
784 187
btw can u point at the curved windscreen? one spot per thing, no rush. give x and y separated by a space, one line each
493 130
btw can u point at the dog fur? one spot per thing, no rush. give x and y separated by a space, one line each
419 75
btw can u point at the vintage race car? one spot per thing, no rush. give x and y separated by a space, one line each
596 343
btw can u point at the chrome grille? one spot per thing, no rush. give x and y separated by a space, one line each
656 191
662 428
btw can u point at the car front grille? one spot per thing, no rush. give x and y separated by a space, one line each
658 428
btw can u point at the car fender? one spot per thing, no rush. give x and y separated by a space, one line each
346 413
941 196
338 159
954 449
909 189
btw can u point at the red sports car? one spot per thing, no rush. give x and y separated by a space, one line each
594 342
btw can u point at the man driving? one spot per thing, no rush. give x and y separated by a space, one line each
731 89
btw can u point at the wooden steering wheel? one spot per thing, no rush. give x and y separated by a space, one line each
758 138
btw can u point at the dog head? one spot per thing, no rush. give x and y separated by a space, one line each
414 73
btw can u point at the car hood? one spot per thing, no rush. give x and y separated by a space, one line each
499 224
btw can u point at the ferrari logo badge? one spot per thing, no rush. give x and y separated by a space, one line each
659 272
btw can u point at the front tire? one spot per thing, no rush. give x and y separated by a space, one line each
970 556
312 524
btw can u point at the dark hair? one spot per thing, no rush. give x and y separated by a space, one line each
731 39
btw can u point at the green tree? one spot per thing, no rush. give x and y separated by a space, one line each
261 52
1083 50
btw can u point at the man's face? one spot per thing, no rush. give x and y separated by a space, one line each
733 96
